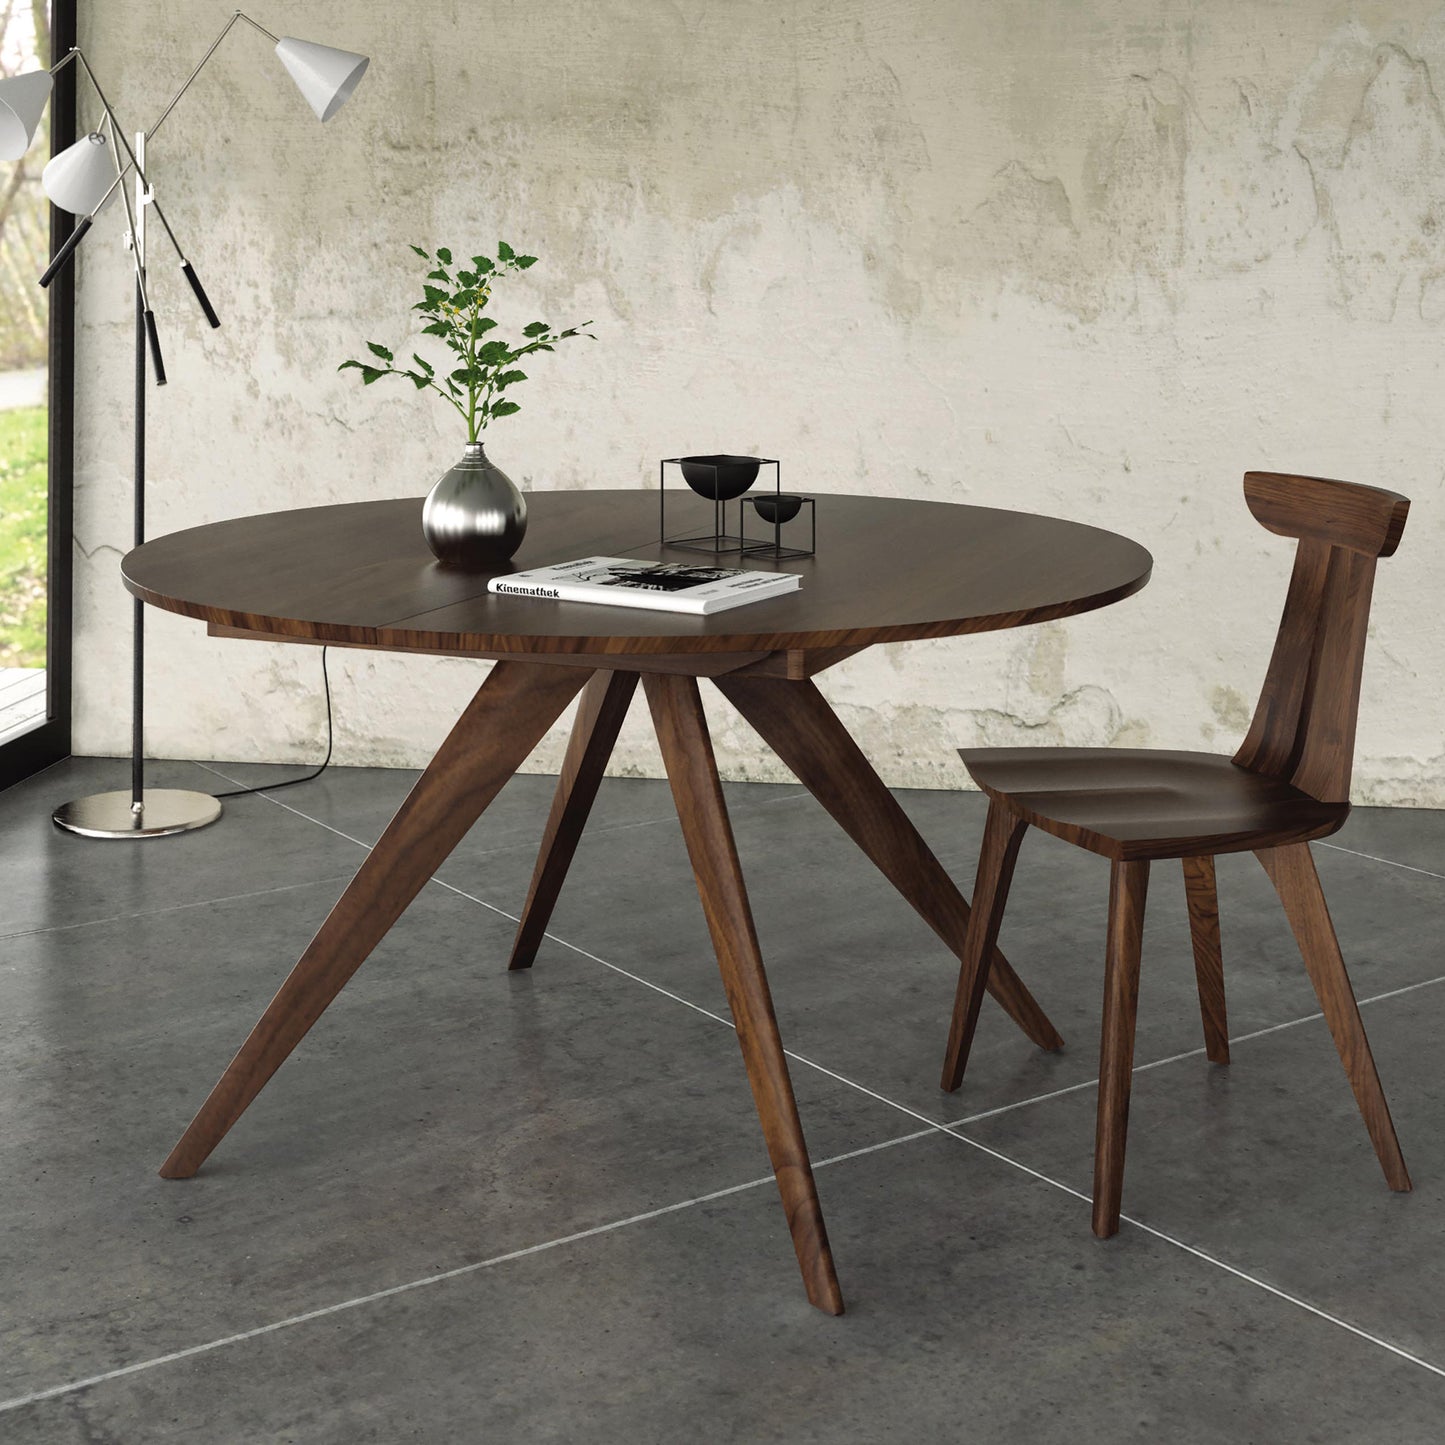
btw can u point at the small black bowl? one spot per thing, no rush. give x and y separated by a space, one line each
720 478
777 507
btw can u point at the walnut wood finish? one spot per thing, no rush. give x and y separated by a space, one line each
692 771
708 664
1203 898
1368 520
513 708
360 576
1128 887
1149 803
1288 784
1003 831
795 721
361 573
600 715
1304 727
1292 871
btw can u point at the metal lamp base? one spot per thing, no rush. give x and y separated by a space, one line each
163 811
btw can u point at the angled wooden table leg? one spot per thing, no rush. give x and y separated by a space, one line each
502 724
692 771
599 719
794 719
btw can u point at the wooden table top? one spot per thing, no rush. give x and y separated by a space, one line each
885 571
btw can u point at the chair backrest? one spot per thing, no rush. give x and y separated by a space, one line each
1304 726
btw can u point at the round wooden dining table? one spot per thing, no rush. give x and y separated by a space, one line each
885 570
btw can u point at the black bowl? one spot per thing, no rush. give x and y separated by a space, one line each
720 479
777 507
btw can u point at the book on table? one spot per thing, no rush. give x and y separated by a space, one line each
664 586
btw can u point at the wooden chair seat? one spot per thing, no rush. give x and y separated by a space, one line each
1289 783
1140 803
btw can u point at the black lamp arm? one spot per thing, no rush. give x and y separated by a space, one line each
63 255
153 336
190 274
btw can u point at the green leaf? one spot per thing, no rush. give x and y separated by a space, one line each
434 295
505 252
462 299
425 365
484 264
482 325
426 256
508 377
504 408
467 278
463 374
380 351
535 329
422 382
494 353
368 373
524 261
437 328
439 275
444 256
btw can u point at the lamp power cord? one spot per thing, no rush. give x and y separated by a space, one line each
325 762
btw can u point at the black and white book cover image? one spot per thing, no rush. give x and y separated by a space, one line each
664 586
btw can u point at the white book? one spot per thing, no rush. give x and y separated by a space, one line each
664 586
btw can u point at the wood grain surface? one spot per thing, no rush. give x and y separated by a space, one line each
1289 783
682 733
502 724
886 571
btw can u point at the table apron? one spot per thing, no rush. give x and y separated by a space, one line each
792 664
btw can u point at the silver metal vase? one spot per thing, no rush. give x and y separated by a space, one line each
474 518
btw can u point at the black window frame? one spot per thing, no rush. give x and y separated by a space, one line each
51 741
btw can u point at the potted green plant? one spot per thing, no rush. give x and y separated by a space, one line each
474 516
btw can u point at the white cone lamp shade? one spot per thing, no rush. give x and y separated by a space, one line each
22 103
326 77
80 175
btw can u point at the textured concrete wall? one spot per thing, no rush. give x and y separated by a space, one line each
1087 259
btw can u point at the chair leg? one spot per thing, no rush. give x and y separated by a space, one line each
1002 833
1203 898
1292 871
1128 886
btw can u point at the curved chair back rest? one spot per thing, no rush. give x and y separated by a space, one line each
1304 726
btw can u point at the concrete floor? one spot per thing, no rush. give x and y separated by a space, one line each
537 1208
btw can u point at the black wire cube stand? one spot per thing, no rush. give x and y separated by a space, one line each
729 535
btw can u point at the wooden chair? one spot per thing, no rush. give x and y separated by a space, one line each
1288 783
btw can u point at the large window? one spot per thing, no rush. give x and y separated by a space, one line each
36 330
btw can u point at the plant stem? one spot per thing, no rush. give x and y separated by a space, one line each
471 367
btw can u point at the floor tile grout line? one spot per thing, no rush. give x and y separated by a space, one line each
376 1296
176 907
678 998
596 829
1208 1258
1388 862
950 1131
1194 1053
791 796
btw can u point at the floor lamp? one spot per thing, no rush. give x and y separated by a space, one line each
83 179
